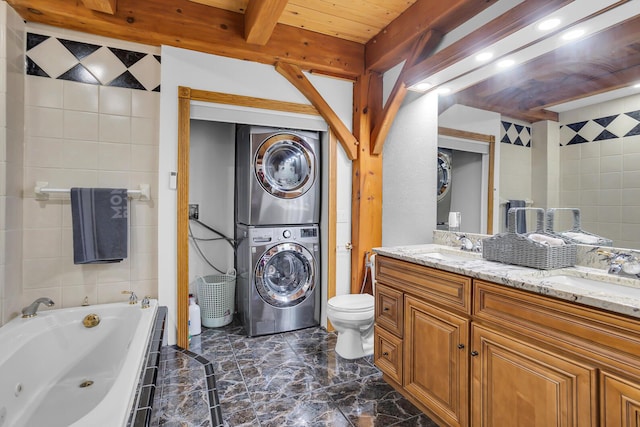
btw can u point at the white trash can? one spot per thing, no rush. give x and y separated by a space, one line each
216 297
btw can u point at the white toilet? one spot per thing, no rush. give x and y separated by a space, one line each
352 316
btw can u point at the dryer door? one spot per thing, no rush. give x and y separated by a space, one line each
285 165
285 275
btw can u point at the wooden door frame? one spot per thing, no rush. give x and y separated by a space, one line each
185 96
480 137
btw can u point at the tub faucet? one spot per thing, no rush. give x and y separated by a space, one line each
133 298
145 303
31 309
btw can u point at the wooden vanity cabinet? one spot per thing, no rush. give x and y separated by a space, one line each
505 357
585 361
422 314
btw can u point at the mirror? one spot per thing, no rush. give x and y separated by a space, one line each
465 173
568 129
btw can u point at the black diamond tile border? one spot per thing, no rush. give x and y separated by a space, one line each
212 391
141 413
521 136
79 49
606 132
78 73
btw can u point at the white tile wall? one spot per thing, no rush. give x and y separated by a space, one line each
11 160
87 135
78 96
603 178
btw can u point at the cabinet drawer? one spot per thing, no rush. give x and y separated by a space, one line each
436 286
591 332
387 353
389 308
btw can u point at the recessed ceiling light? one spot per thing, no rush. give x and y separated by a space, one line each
506 63
574 34
421 87
549 24
443 91
484 56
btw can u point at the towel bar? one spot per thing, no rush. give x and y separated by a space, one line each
527 202
42 192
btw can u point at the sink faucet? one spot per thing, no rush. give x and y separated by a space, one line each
31 309
622 263
468 245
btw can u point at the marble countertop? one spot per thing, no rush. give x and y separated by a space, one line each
589 286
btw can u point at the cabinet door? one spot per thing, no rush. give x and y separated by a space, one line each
620 401
518 384
436 360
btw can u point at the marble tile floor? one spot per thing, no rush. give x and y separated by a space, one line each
288 379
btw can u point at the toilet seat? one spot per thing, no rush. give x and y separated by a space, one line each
352 303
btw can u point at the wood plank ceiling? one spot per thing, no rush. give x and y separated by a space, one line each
354 20
348 38
604 62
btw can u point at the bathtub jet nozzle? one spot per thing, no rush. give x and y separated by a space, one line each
91 320
32 309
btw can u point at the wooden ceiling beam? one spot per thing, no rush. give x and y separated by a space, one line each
189 25
512 111
297 78
504 25
423 46
261 19
104 6
366 180
393 43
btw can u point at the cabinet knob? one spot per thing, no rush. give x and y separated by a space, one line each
385 353
385 309
460 346
474 353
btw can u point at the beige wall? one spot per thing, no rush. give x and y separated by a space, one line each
11 159
515 177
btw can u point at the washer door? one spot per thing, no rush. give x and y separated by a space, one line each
444 175
285 275
285 166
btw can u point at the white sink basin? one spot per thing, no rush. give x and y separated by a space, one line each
580 282
591 285
449 256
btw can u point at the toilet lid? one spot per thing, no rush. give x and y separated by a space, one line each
352 302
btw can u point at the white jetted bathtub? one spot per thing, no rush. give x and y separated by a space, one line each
56 372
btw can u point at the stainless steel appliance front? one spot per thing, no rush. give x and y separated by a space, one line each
278 278
277 176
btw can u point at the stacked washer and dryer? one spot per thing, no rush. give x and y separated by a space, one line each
277 232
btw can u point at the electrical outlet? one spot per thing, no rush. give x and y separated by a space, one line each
194 211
